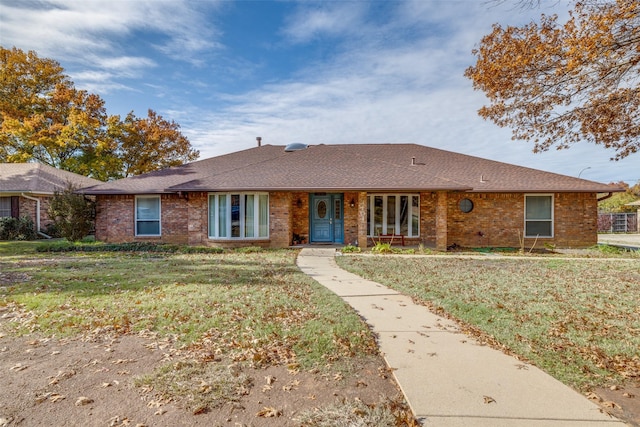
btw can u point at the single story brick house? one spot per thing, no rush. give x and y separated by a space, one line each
27 188
276 196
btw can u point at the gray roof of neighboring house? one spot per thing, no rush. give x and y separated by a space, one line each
37 178
348 167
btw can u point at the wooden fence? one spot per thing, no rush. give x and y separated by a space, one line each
617 222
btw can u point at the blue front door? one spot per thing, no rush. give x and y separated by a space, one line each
327 223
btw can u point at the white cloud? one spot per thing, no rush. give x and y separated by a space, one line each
324 19
403 92
93 34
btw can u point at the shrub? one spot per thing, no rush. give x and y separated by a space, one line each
72 213
17 229
382 248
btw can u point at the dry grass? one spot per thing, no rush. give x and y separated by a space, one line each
578 319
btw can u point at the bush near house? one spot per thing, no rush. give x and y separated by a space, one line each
17 229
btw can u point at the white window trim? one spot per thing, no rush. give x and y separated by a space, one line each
135 225
371 205
216 216
552 220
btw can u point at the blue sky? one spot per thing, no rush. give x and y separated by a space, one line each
332 72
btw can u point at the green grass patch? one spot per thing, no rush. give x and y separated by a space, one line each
577 319
253 306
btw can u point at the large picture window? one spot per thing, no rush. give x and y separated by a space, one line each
538 216
239 216
148 216
393 214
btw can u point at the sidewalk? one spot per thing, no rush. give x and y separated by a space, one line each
448 379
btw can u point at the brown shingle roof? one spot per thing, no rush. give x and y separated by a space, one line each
365 167
37 178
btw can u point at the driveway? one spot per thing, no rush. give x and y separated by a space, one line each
630 240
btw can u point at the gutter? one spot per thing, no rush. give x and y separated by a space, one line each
35 199
605 197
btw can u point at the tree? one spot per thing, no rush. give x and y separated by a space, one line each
44 118
617 202
556 85
72 214
151 143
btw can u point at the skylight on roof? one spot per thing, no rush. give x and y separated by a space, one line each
295 146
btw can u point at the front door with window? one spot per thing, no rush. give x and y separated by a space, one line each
327 223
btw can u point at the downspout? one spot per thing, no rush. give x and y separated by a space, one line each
35 199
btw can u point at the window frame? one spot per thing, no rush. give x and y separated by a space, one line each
7 198
159 220
550 220
214 217
397 214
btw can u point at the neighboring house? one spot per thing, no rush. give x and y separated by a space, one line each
273 196
27 188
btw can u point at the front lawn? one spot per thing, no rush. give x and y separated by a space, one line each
256 306
578 319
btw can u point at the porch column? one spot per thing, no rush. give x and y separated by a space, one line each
441 220
362 219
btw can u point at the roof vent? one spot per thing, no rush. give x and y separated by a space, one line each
295 146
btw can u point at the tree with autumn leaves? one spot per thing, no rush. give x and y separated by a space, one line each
559 84
44 118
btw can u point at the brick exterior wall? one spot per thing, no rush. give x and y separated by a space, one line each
496 220
29 208
300 215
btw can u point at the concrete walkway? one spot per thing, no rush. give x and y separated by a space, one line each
446 377
629 241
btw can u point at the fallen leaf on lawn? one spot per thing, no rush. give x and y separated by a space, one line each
489 399
629 395
200 410
338 377
205 387
268 412
266 388
154 404
105 385
270 379
55 397
119 361
610 404
83 400
593 396
18 367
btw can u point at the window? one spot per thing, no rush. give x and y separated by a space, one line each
148 216
538 215
5 207
393 214
465 205
239 216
